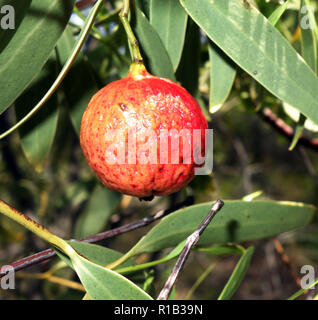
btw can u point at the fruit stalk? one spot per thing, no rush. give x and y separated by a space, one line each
123 15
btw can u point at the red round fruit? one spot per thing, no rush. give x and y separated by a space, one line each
129 132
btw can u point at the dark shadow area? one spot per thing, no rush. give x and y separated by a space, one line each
232 227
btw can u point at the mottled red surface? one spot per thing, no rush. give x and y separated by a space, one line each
140 102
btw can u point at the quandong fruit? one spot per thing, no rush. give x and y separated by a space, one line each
127 134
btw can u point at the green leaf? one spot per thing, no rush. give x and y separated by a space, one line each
237 221
298 131
173 254
78 91
308 39
101 283
188 70
222 74
98 254
77 47
247 37
105 284
301 291
278 12
31 45
144 6
151 44
170 20
102 203
309 53
237 276
218 250
37 135
93 252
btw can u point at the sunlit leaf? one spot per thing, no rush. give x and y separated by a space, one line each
278 12
253 43
222 74
236 222
237 275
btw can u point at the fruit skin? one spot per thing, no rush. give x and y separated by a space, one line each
139 102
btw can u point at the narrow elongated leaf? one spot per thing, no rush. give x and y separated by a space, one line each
226 249
102 204
23 57
158 58
237 221
275 16
105 284
98 254
101 283
37 135
309 53
308 38
245 35
188 70
173 254
144 6
237 276
77 47
301 291
77 91
170 20
298 131
222 74
104 256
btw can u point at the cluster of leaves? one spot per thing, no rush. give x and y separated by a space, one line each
225 53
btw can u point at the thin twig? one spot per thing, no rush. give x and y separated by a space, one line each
280 126
308 164
285 259
199 281
192 240
61 281
46 255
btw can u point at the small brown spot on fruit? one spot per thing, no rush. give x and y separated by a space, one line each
122 106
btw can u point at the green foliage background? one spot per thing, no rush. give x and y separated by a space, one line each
235 63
